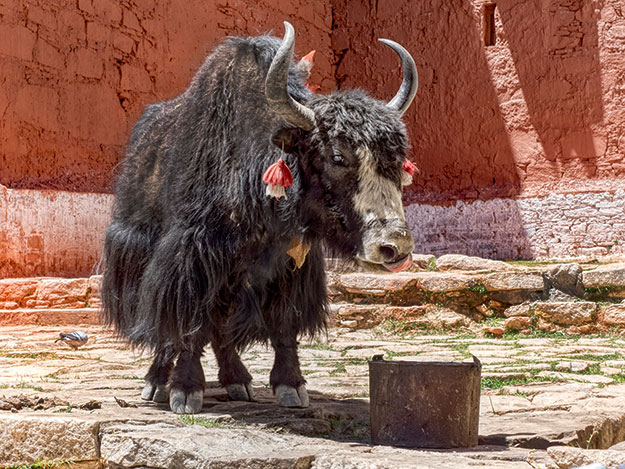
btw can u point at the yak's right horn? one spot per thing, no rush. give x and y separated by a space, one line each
276 86
409 84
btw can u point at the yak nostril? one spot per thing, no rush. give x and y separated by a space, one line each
389 252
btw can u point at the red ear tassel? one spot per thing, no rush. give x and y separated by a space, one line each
278 177
409 169
310 56
306 63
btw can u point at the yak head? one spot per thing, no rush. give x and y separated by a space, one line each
352 148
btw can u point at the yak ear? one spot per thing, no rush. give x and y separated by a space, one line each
288 138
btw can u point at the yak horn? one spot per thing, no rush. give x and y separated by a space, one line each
409 84
276 86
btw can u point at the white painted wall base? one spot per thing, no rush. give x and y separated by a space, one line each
51 232
555 226
61 233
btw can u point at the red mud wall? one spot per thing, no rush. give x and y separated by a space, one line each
539 106
75 75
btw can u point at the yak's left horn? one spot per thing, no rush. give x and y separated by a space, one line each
276 86
409 84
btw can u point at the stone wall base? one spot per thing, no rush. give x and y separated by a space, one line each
556 226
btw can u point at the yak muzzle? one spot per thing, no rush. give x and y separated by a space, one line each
388 243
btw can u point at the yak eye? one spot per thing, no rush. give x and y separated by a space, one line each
339 160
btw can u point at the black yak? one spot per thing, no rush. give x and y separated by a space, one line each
197 253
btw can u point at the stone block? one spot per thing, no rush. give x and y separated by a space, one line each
524 309
86 63
49 55
28 439
604 277
375 284
443 282
17 41
60 292
443 319
17 289
566 313
505 281
567 456
517 323
461 262
613 315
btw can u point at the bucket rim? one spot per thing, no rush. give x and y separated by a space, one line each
475 362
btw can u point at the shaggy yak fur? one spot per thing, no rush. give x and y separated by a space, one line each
196 252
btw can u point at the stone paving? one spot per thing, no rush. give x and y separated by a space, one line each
550 401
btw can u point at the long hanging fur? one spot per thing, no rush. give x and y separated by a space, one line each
193 235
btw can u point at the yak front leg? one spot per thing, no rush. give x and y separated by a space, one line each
156 379
187 383
232 372
286 377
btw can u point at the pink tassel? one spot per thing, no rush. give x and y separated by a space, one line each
278 177
409 169
309 57
306 63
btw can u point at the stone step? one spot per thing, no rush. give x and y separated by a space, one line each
605 280
429 298
50 316
50 292
579 317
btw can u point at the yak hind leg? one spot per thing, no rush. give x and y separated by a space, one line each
232 372
286 378
156 387
187 382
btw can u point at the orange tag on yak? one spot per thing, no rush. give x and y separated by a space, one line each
298 251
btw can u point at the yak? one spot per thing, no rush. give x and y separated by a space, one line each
197 253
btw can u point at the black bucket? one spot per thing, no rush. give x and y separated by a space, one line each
425 404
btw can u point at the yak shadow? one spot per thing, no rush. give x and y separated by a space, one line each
327 417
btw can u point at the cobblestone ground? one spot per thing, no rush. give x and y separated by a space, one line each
557 392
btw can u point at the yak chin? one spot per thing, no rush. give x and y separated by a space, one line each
383 267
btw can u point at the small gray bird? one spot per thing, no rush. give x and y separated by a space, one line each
73 339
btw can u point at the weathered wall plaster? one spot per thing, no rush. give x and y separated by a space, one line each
51 232
76 74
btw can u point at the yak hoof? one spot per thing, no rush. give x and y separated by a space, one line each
148 391
186 403
155 392
240 392
288 396
161 394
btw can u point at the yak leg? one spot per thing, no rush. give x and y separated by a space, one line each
158 375
286 377
232 372
187 383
